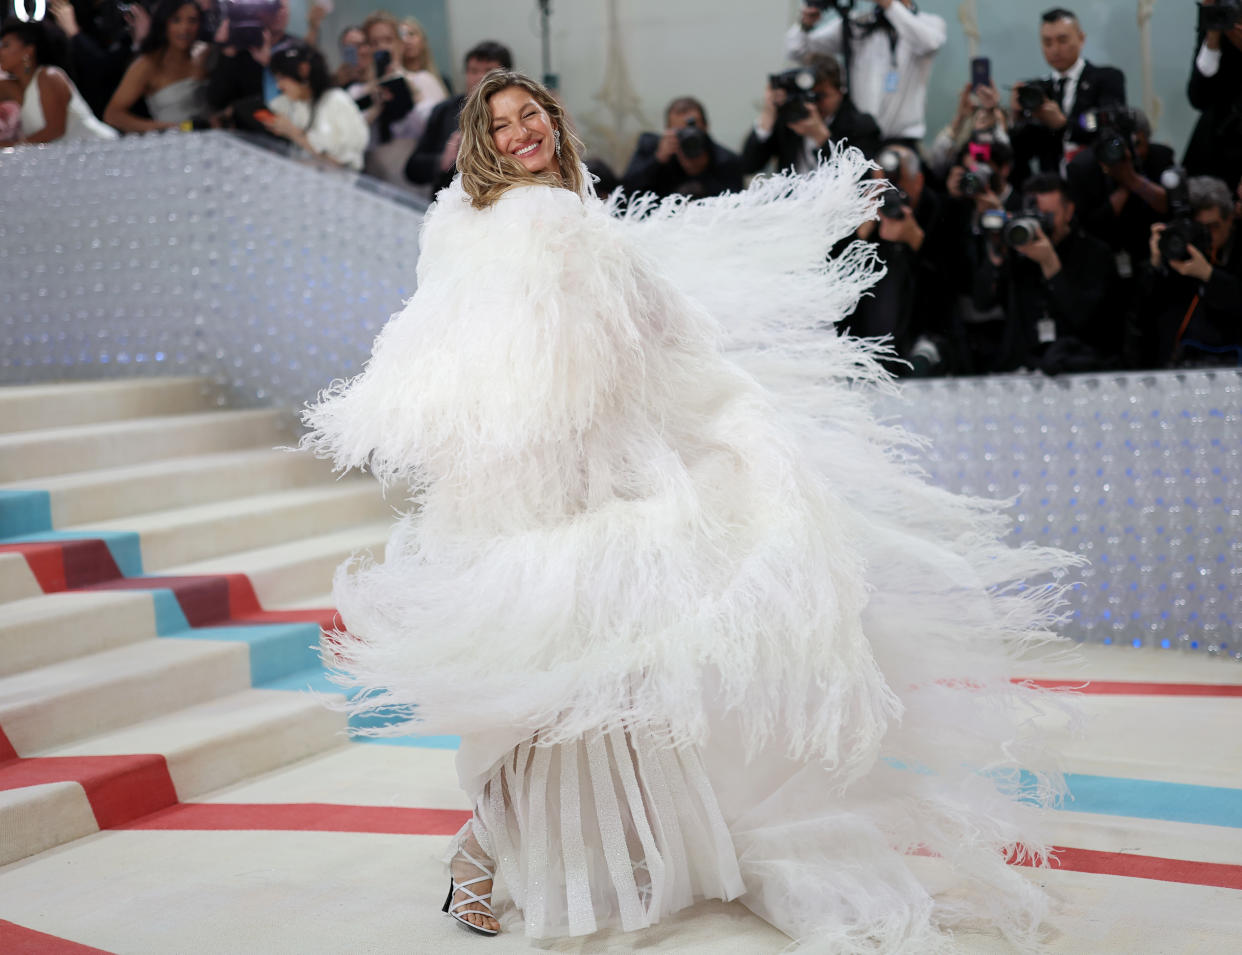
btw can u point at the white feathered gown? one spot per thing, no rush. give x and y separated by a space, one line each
703 631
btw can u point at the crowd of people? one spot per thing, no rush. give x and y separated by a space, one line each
1044 233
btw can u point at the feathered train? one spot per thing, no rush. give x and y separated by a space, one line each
653 505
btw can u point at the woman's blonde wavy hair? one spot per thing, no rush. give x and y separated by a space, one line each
487 173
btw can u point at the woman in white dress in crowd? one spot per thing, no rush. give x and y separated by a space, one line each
52 107
170 73
704 630
312 112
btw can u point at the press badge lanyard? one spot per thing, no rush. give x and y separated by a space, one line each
893 80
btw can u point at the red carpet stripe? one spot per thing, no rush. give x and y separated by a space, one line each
45 561
394 820
67 564
1121 688
19 940
7 750
1149 867
120 789
306 817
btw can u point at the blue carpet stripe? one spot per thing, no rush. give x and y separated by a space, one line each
25 512
1151 799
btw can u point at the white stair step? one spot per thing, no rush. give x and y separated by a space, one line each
63 403
32 454
57 704
36 818
209 530
47 629
288 576
17 580
223 741
176 482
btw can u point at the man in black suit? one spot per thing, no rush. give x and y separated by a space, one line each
1057 291
1216 91
801 143
684 159
1050 134
434 160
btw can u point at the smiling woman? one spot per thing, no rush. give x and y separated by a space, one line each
515 132
702 632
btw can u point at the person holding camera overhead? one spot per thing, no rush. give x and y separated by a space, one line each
684 159
1215 90
805 112
1055 283
1192 285
889 49
1048 126
239 75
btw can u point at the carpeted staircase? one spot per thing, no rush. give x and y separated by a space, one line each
164 573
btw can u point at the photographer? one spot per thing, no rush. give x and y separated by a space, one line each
1055 285
1047 121
104 36
245 41
908 304
979 118
355 51
1192 285
1116 187
890 51
804 112
684 159
1215 90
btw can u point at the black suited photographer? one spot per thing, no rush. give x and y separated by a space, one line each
1055 284
1192 285
1215 90
805 111
888 47
909 304
1048 121
684 159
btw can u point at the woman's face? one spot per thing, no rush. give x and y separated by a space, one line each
522 128
382 36
183 27
12 52
292 88
413 41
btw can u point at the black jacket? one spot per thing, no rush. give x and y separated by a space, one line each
784 144
1215 147
646 174
1080 300
1214 332
423 166
1129 231
237 78
1099 86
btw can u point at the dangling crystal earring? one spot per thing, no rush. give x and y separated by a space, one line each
556 141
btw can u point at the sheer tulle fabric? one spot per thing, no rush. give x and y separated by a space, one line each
655 529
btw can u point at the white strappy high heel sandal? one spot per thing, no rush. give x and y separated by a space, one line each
472 897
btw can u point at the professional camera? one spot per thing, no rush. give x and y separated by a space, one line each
691 139
892 203
1183 230
247 21
1032 94
1114 130
799 88
977 181
1225 15
1015 230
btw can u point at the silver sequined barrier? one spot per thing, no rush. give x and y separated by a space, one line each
200 254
